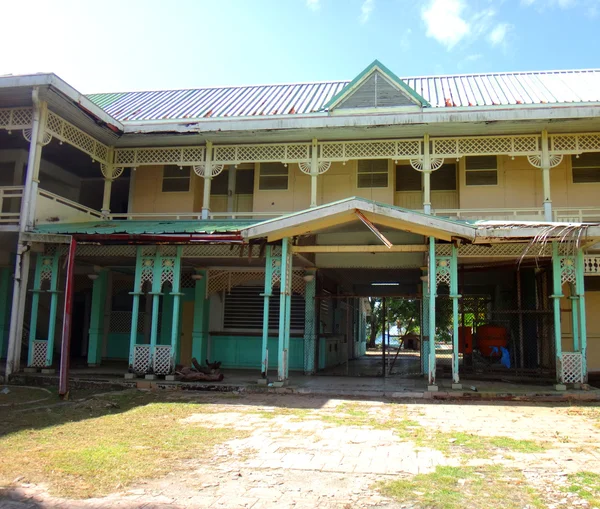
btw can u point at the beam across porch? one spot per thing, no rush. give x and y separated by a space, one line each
404 248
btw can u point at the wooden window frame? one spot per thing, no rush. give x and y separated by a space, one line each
386 173
260 177
573 157
467 170
188 177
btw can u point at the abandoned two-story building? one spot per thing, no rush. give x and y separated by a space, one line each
249 224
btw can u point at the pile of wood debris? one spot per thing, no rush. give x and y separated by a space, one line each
197 373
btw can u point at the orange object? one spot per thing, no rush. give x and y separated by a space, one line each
465 339
490 336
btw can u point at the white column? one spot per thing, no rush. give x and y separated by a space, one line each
207 180
426 176
546 176
231 178
314 171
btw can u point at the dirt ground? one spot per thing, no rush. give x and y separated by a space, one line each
316 452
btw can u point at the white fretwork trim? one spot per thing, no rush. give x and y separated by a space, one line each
47 136
141 358
536 160
591 265
67 132
495 251
435 163
163 360
182 156
574 143
572 367
305 167
193 251
263 153
442 271
39 354
15 118
215 169
486 145
370 149
568 272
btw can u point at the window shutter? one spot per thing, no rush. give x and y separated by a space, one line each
175 179
481 171
444 178
586 168
407 178
218 186
273 176
372 173
244 182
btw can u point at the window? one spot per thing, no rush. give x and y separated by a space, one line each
243 309
481 171
176 180
219 184
444 178
372 173
244 182
273 176
407 178
586 168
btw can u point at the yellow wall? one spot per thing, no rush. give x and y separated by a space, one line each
592 304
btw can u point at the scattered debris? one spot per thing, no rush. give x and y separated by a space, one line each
196 372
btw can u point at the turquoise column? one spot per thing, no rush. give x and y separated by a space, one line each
53 309
425 326
574 298
264 353
35 304
96 331
310 322
167 316
199 336
5 305
135 310
176 295
454 296
284 331
156 293
431 321
557 295
580 290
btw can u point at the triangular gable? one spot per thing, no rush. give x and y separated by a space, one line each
310 221
376 87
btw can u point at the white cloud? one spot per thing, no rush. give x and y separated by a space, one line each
313 5
365 10
444 22
474 57
404 42
498 35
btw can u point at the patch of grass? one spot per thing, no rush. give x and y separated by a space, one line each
93 448
586 485
464 487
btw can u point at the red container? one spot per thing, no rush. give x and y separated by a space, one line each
490 336
465 339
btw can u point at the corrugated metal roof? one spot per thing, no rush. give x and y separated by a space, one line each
494 89
136 227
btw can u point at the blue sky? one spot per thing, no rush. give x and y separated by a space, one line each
119 45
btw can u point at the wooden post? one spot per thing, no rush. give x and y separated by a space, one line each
176 294
426 176
314 172
546 176
454 295
207 181
432 296
199 337
264 355
5 299
135 310
96 332
284 307
53 309
65 350
557 295
35 304
580 290
310 322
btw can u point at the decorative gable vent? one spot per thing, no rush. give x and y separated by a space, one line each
376 92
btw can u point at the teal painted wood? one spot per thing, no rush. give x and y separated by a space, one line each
282 365
432 296
574 298
454 296
5 305
166 314
264 356
176 294
199 336
425 328
35 304
310 325
117 347
242 352
53 309
557 295
135 310
156 293
96 331
580 289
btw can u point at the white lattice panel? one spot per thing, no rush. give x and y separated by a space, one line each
163 360
574 143
568 273
572 367
485 145
141 358
376 149
591 265
90 250
182 156
218 251
442 271
281 152
64 131
39 354
15 118
496 250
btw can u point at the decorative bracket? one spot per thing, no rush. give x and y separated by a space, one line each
536 160
435 163
306 166
215 169
111 172
47 136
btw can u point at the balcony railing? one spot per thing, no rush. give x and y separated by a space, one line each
52 208
524 214
195 216
10 205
